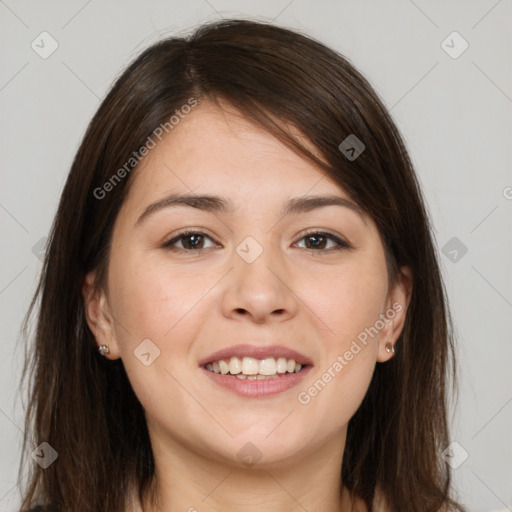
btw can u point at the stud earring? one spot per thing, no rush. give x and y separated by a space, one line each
390 348
103 350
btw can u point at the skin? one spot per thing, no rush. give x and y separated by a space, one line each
191 305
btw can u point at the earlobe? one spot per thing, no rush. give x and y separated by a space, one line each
98 317
395 314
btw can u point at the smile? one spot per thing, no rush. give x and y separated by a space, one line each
250 382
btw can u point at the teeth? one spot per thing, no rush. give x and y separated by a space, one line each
235 366
268 366
224 367
281 365
256 377
249 368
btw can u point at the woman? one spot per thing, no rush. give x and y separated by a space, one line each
241 306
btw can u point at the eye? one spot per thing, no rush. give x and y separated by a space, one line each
193 241
319 239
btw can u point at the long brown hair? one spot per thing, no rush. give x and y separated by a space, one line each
83 405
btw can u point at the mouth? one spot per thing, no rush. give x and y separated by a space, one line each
256 371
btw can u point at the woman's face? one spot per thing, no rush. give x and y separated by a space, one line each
249 275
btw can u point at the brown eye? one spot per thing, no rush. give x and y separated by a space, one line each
190 240
318 240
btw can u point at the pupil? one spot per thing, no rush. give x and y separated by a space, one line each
315 237
194 237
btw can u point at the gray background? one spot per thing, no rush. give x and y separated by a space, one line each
455 114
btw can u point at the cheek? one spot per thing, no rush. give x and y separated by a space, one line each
348 307
349 303
347 300
164 307
151 300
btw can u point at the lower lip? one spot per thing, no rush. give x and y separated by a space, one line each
258 388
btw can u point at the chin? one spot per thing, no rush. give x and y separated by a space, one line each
259 450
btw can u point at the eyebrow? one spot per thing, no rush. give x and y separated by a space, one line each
216 204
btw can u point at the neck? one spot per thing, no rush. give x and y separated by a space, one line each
186 480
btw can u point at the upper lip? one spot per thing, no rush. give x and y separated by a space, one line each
257 352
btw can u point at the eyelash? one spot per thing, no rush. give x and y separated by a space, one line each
342 245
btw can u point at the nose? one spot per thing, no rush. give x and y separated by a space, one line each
261 291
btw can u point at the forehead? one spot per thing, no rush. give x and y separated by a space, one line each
217 149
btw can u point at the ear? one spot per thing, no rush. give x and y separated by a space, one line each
98 316
395 313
